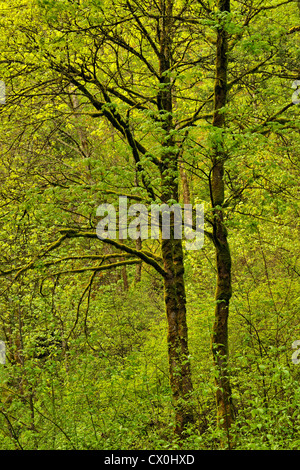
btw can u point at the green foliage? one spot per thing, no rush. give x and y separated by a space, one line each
87 352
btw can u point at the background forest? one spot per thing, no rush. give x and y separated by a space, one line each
141 343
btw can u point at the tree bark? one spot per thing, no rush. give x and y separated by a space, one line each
225 415
138 269
172 252
179 362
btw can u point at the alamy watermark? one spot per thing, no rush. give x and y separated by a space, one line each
295 358
2 92
138 221
2 352
296 87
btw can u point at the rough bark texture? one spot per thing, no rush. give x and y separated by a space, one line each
172 254
179 364
225 415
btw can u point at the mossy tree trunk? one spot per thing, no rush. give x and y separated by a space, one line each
179 363
225 415
172 252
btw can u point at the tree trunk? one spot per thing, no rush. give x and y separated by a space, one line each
138 269
225 415
172 253
179 363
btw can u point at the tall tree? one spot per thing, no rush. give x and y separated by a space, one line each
142 75
225 413
85 72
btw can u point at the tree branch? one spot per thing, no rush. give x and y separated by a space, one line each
147 258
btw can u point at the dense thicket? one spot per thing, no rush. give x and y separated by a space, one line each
143 343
